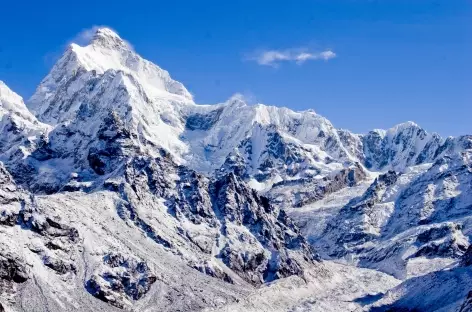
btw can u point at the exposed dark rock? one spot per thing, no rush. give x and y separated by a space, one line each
467 257
46 226
122 278
54 245
344 178
228 203
445 248
235 163
438 232
213 271
467 305
95 287
233 201
113 145
203 122
441 241
12 269
348 228
59 265
193 200
43 151
249 266
10 198
13 272
8 217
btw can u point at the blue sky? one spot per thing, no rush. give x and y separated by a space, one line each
391 61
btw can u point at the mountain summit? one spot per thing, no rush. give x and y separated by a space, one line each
105 54
106 37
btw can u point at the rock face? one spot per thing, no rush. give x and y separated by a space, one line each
278 236
20 130
467 258
120 192
403 218
12 269
10 198
404 145
467 305
235 215
359 221
121 279
13 274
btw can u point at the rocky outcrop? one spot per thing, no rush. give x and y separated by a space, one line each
203 121
13 273
467 257
59 265
120 279
46 226
254 238
209 268
445 240
10 198
467 305
327 185
357 222
235 204
12 269
18 208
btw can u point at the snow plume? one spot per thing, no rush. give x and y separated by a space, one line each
86 35
299 56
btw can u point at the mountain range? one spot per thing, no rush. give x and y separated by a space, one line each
119 192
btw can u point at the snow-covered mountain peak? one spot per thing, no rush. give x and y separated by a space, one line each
403 145
12 103
81 67
403 127
7 93
19 128
108 51
106 37
236 100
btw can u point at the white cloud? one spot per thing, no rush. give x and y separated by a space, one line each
299 56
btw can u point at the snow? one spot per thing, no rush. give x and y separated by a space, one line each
107 51
336 287
313 218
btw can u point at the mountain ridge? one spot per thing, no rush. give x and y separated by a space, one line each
229 194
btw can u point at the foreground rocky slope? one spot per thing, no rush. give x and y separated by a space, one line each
122 193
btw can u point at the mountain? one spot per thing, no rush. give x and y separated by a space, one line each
119 192
20 128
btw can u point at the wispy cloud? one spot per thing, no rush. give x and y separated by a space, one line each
275 57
